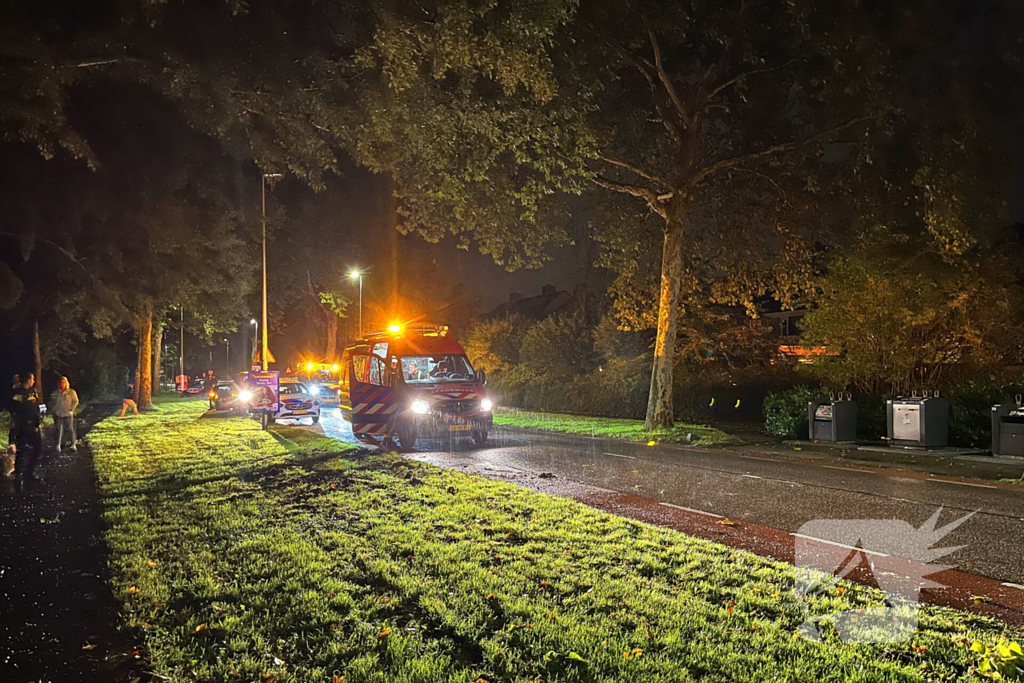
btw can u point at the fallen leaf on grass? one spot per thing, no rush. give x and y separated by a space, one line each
919 648
202 628
384 633
840 590
88 646
338 679
133 591
269 678
152 564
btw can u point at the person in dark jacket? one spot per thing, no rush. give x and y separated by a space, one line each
12 436
29 439
129 401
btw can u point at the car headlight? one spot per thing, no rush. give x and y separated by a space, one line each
245 395
486 405
420 407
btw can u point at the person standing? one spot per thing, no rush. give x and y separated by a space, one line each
65 402
12 409
129 401
29 439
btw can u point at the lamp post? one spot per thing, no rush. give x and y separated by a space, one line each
181 354
255 343
358 275
263 354
227 356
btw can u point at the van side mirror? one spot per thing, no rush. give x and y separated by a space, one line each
482 376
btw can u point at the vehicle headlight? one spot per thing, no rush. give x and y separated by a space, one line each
420 407
486 405
245 395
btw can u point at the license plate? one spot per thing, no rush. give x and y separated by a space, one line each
459 428
299 412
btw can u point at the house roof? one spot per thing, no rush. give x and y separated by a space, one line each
548 302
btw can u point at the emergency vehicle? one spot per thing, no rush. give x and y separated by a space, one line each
398 385
321 379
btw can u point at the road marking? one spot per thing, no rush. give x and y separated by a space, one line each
699 512
619 455
963 483
751 457
1013 585
841 545
848 469
752 476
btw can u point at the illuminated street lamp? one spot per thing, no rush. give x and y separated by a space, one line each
357 275
227 356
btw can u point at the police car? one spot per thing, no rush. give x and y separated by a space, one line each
296 402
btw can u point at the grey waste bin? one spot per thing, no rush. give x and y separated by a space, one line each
920 421
1008 429
835 420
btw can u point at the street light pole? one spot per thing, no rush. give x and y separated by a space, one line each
227 356
181 352
356 274
255 343
263 354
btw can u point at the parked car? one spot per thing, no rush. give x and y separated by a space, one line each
196 386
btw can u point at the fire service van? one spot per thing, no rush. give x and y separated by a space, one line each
398 385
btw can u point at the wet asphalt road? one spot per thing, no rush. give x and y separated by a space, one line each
766 491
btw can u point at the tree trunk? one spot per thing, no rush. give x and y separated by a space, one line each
144 387
37 356
332 337
659 402
158 347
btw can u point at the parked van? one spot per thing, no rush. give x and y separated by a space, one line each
398 385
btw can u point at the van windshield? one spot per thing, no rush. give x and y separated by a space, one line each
439 368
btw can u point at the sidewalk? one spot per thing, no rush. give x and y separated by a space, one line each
943 464
58 621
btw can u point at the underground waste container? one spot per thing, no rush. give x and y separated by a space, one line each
835 420
1008 429
921 421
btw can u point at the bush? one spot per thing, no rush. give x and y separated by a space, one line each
970 410
493 345
785 412
559 347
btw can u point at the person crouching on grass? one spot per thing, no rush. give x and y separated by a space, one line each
65 402
129 401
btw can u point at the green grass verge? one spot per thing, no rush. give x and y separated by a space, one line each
242 555
616 428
